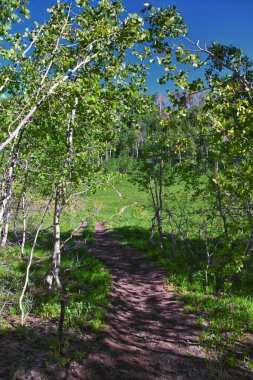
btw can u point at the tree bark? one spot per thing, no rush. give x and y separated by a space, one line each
8 184
5 230
24 226
57 234
60 200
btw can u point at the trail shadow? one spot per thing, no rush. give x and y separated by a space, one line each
190 257
32 352
150 336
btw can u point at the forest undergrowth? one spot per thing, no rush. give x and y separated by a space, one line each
86 282
224 306
224 310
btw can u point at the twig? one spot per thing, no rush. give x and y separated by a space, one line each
82 225
115 189
30 263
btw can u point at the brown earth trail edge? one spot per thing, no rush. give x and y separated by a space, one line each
149 335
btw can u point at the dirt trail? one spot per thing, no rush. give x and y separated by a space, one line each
149 334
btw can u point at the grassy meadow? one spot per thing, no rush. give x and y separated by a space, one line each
225 313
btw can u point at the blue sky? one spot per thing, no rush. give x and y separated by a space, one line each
224 21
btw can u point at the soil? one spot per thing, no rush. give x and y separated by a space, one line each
149 335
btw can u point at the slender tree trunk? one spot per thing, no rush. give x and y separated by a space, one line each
6 193
173 237
8 182
179 157
160 205
208 258
21 200
15 221
137 150
24 226
156 194
58 206
57 234
5 230
60 199
2 211
222 212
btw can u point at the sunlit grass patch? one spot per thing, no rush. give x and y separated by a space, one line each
83 277
226 317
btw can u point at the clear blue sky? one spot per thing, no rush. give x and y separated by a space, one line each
224 21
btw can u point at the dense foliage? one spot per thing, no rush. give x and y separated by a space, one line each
75 114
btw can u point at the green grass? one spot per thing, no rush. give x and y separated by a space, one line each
224 307
85 280
227 319
106 204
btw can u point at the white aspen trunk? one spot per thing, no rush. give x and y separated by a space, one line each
16 214
15 222
57 233
26 120
5 229
8 182
24 226
180 156
60 195
60 200
70 131
157 200
7 193
5 188
2 210
21 203
137 151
